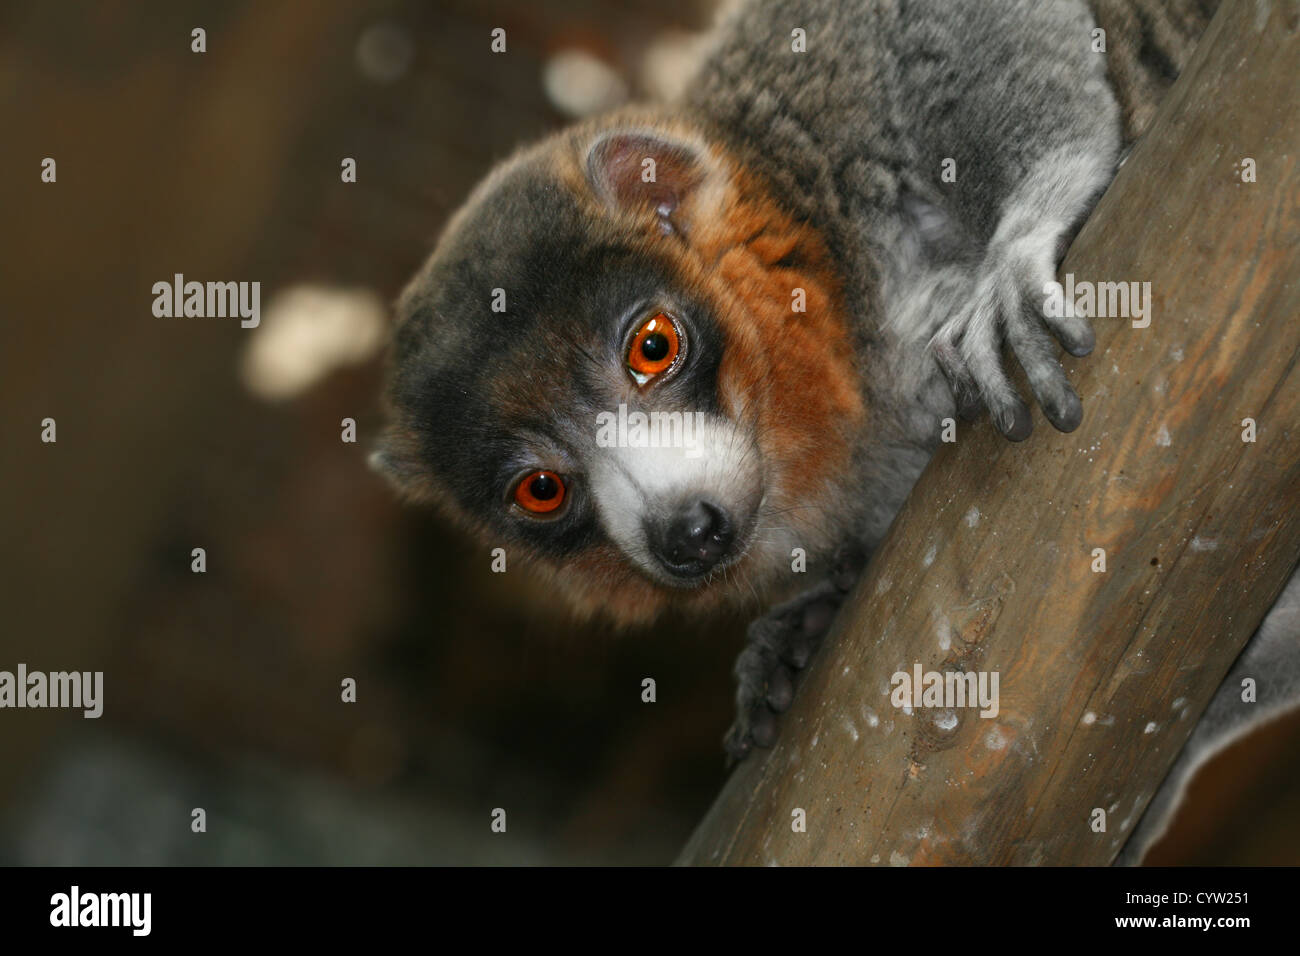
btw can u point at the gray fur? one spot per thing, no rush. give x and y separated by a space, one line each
854 133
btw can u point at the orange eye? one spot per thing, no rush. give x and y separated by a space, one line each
654 348
540 492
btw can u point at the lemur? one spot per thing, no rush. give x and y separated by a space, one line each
780 251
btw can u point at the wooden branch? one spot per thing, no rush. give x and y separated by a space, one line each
990 566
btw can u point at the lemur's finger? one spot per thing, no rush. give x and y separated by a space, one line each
1009 412
808 627
1072 331
1037 356
762 728
799 650
780 690
964 390
817 617
736 744
969 409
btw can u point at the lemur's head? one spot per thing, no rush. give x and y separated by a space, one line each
625 361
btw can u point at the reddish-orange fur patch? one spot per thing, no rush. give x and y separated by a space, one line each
793 375
798 365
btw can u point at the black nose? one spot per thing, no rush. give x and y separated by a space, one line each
694 539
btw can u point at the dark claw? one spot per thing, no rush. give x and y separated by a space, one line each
1075 334
969 407
1066 414
964 390
1082 343
1015 422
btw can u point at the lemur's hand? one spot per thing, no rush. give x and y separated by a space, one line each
778 646
1007 306
1036 224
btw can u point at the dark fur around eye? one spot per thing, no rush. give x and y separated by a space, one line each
468 381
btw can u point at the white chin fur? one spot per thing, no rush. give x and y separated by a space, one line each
710 459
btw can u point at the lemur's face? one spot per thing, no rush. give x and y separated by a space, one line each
603 367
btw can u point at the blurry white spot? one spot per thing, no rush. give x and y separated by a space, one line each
853 731
1151 728
897 859
1262 12
1162 437
929 555
579 84
994 740
1204 544
1089 719
945 720
670 60
307 332
870 716
1124 824
1176 354
973 517
384 52
944 630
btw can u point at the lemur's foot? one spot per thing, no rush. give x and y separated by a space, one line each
778 646
1008 306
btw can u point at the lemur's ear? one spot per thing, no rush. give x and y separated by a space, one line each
631 169
395 457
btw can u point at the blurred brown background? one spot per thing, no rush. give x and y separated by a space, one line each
222 688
